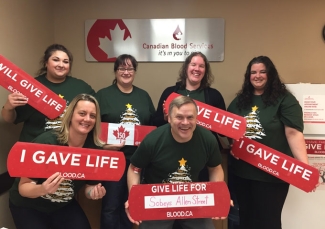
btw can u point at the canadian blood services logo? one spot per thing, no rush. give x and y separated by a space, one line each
177 33
101 36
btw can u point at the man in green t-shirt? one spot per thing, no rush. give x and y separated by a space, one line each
177 146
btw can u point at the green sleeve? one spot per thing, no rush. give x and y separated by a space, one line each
291 113
141 157
48 137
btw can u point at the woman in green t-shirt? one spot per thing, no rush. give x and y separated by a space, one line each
122 102
50 203
56 65
274 118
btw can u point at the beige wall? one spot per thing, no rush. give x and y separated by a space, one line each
289 32
26 29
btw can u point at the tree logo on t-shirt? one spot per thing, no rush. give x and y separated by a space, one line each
254 129
55 123
130 116
181 175
64 193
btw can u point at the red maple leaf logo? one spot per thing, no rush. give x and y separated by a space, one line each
120 133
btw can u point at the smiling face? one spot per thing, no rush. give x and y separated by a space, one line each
58 67
183 122
195 71
83 118
125 74
258 78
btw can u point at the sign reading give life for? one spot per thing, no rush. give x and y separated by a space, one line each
40 97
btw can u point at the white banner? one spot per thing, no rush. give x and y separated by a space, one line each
154 40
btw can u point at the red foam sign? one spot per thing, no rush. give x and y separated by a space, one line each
280 165
41 161
215 119
179 200
113 133
40 97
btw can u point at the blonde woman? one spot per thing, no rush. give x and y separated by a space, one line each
50 203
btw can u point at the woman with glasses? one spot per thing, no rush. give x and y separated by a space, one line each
124 103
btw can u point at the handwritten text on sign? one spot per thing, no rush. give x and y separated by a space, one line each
188 200
181 200
40 97
215 119
42 160
276 163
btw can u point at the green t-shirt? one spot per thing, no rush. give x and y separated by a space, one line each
266 125
35 122
127 108
66 190
167 161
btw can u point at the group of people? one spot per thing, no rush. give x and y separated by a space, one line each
178 141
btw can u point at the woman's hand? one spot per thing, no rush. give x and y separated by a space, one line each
52 183
30 189
165 111
116 147
126 205
96 192
14 100
230 140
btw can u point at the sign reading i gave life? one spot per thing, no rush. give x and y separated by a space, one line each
215 119
40 97
179 201
41 161
113 133
280 165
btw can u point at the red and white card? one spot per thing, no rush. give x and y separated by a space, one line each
113 133
179 201
278 164
41 161
215 119
40 97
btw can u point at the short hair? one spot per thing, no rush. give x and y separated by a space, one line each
123 60
180 101
48 53
63 130
208 77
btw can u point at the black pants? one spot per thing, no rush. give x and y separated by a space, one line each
69 217
260 203
113 214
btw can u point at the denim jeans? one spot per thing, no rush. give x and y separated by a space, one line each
113 214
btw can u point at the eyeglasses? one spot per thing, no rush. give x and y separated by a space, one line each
126 69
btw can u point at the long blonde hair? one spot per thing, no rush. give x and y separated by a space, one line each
63 130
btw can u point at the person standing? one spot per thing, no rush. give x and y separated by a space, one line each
178 145
195 79
274 118
124 103
56 65
50 203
